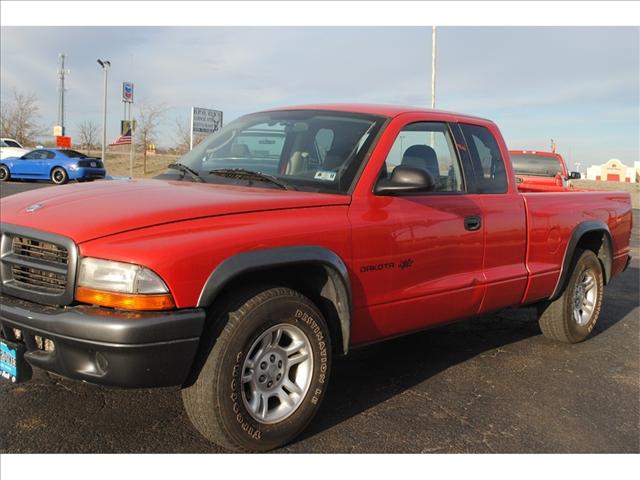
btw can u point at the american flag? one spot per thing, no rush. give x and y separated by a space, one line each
122 140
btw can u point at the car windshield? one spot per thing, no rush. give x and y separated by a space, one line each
308 150
537 165
73 154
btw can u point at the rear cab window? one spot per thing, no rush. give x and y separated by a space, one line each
535 165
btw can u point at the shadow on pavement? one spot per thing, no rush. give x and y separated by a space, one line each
371 375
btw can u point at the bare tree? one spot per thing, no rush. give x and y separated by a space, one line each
183 136
19 118
88 135
148 118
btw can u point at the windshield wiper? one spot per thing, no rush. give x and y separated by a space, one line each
186 170
244 174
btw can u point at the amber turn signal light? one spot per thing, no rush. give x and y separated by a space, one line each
125 301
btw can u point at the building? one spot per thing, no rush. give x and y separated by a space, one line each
614 171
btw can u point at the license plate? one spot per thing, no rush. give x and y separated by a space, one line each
10 361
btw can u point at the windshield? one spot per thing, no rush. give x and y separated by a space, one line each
10 143
537 165
310 150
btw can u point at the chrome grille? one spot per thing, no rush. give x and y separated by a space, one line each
40 250
37 266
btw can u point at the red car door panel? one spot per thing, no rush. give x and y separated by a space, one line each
431 271
415 262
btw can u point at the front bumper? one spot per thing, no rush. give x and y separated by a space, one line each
105 346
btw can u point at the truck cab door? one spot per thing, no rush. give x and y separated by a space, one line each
417 258
503 212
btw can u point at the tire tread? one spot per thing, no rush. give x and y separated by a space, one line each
197 398
554 317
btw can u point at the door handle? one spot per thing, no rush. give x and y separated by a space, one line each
472 223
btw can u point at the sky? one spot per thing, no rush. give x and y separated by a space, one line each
577 85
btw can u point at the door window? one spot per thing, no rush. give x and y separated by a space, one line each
488 164
427 145
36 155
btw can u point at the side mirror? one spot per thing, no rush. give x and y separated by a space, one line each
406 180
575 176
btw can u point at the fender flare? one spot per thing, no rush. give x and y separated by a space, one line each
257 260
605 255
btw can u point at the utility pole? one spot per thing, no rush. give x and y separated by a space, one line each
61 73
433 78
105 64
433 67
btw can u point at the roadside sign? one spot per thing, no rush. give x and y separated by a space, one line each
204 121
58 130
63 142
127 92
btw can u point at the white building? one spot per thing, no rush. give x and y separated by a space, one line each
614 171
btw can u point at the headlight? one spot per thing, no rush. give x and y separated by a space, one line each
119 277
121 285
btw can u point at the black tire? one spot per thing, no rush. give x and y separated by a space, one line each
5 174
557 319
215 402
59 176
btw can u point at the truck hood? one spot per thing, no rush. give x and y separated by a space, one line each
91 210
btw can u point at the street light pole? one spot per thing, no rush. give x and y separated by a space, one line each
61 74
105 64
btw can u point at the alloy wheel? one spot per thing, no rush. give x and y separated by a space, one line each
277 373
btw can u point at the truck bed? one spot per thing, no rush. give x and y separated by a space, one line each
552 217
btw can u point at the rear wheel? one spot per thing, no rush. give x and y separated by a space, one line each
5 174
266 373
59 176
572 317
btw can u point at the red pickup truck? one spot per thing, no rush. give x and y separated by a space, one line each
286 238
543 171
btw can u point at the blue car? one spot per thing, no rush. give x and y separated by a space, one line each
54 164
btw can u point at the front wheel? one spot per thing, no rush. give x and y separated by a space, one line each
5 174
266 373
572 317
59 176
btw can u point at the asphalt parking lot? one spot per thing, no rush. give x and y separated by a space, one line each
491 384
